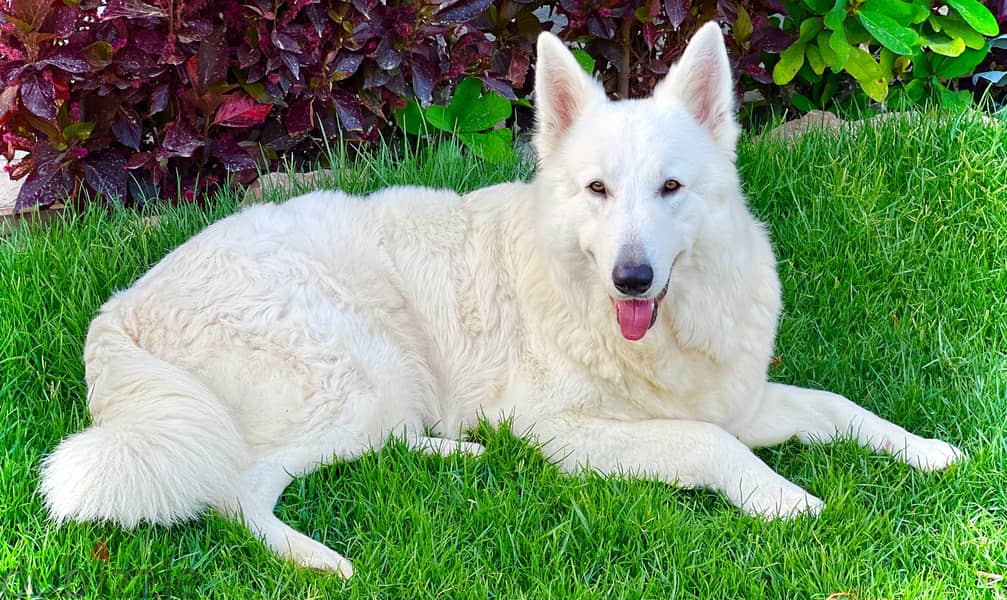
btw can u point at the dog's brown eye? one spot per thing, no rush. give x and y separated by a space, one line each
597 187
671 186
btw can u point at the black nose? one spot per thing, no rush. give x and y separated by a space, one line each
632 279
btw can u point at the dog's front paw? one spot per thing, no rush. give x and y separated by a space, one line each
928 454
781 502
315 555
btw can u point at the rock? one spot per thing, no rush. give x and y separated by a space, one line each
816 120
285 184
8 190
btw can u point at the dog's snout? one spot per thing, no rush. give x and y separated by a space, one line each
632 279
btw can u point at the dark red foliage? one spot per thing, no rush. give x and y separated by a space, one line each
170 97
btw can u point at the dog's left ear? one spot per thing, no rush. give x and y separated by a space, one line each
702 82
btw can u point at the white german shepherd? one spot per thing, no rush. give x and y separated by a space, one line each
621 308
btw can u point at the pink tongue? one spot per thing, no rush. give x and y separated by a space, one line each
634 317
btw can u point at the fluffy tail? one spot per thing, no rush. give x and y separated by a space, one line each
161 449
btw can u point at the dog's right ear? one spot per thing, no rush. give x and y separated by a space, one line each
562 90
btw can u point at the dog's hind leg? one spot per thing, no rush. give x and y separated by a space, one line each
260 487
818 416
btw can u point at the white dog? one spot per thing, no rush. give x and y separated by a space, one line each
621 308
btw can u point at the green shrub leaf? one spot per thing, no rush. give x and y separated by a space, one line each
826 51
809 29
915 90
834 18
895 37
411 119
789 64
99 54
584 60
976 15
494 146
942 44
923 65
828 91
922 8
802 103
841 47
959 66
439 117
468 111
868 74
950 99
78 131
955 27
886 61
465 94
484 113
818 7
902 12
742 25
815 60
856 34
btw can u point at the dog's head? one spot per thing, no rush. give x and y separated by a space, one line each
627 185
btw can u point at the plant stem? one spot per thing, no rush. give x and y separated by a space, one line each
624 33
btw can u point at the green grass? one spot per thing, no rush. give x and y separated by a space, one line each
893 256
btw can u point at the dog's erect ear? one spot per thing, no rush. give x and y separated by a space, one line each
702 81
562 90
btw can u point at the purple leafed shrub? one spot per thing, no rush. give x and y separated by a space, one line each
140 99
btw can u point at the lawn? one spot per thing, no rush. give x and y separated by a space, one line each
893 255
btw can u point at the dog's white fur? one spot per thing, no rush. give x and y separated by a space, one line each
289 336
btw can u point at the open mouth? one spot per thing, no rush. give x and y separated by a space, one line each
636 317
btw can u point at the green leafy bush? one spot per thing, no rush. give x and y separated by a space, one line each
474 116
918 46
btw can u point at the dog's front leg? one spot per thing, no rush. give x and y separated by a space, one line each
683 453
787 411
